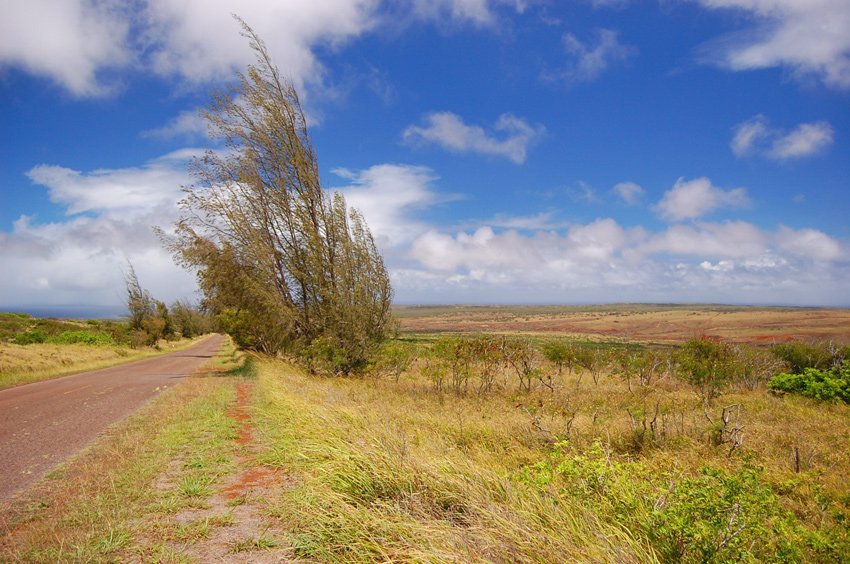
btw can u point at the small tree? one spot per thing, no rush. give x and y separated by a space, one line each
288 263
521 356
561 354
140 304
707 364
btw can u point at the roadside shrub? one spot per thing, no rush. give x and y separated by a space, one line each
323 356
824 385
30 337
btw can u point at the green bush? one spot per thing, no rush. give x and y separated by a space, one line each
824 385
94 338
30 337
714 516
707 364
799 356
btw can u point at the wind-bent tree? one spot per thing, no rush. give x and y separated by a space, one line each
281 263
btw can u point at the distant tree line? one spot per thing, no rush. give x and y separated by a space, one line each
150 320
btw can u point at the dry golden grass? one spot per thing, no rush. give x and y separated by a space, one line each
22 364
396 471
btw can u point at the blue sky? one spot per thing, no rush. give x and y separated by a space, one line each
502 151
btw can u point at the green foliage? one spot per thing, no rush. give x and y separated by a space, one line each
94 338
238 324
713 516
458 356
560 353
393 358
13 323
30 337
799 356
824 385
150 320
322 355
707 364
188 320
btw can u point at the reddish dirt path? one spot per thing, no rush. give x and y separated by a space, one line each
251 477
43 423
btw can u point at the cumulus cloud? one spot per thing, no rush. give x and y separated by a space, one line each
480 13
810 37
120 192
508 259
629 192
757 137
604 261
73 42
111 213
68 41
588 60
187 125
737 239
511 136
389 196
694 198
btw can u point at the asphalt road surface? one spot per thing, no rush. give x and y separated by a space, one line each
43 423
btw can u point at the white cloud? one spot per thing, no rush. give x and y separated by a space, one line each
187 124
736 239
811 37
388 196
480 13
806 139
73 42
121 192
198 40
510 259
590 60
511 136
69 41
757 137
629 192
694 198
809 243
733 262
82 260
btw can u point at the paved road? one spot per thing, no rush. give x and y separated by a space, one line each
43 423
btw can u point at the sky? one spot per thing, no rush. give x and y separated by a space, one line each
501 151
